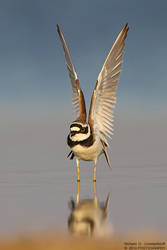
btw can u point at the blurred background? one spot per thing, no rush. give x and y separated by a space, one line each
36 178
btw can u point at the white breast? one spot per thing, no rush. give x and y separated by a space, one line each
88 153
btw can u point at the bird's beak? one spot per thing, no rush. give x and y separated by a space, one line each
72 133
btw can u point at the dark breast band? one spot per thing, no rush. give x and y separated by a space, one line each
85 143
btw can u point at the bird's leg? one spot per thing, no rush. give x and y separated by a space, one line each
78 170
95 194
94 179
78 192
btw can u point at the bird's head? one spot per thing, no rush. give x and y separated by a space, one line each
79 131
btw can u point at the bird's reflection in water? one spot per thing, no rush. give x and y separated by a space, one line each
88 217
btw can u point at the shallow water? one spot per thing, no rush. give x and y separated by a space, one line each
34 199
37 181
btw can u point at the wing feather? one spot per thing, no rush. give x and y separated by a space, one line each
104 95
78 97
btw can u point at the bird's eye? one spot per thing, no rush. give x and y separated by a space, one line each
82 130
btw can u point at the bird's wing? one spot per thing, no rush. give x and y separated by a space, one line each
104 95
78 97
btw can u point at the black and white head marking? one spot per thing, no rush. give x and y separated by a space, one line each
79 131
80 134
